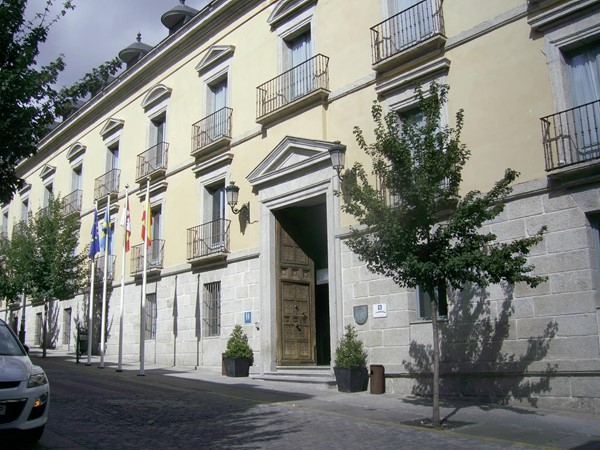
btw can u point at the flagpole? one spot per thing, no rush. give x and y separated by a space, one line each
91 299
147 226
104 287
125 212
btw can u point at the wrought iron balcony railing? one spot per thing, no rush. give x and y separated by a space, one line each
107 184
152 161
211 129
208 239
300 81
572 136
155 257
110 268
406 29
72 202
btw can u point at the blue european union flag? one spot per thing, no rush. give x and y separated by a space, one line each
95 243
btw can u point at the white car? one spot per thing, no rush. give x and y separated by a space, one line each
24 388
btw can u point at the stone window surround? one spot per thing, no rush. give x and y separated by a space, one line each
560 39
292 26
219 71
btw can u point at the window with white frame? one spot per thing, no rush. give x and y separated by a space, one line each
212 309
151 316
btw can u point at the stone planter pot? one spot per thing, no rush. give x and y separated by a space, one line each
237 367
355 379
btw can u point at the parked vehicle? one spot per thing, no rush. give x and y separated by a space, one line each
24 388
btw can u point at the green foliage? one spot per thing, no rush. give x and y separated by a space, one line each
237 345
426 235
29 103
350 352
41 258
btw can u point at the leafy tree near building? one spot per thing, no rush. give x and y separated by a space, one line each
412 225
42 258
29 103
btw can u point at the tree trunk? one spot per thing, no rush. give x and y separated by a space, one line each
45 329
435 418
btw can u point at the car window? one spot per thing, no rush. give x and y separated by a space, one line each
9 346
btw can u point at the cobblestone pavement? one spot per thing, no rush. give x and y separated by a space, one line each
95 408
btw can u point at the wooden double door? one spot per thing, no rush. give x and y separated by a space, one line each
295 302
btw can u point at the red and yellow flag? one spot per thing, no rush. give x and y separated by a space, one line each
147 224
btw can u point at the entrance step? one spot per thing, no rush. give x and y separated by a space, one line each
313 375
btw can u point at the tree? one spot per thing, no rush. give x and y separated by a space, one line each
29 104
43 260
414 228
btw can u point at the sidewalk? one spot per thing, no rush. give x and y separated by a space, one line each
522 426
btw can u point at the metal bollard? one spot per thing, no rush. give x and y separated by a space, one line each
377 384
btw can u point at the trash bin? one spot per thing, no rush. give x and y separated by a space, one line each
377 375
82 343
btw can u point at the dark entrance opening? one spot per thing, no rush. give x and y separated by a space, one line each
306 224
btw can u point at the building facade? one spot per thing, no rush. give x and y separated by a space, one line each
258 93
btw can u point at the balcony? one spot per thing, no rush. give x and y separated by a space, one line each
110 269
72 202
212 132
571 138
208 242
152 163
410 34
297 88
155 257
107 184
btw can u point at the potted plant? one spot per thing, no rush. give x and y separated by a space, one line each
351 363
238 354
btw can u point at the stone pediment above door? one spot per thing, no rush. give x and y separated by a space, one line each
290 158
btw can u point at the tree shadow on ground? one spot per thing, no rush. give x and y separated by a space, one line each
480 356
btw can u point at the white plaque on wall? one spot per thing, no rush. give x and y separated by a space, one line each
379 310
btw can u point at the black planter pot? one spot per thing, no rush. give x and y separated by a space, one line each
237 367
355 379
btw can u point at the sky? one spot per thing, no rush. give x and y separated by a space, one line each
97 30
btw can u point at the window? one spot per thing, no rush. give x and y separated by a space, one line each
24 210
76 178
424 303
217 123
151 315
39 331
414 21
298 51
595 222
5 222
112 157
212 309
155 250
217 95
584 75
216 196
48 194
158 130
67 326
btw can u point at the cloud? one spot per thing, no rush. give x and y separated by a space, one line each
97 30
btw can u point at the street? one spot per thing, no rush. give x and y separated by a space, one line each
96 408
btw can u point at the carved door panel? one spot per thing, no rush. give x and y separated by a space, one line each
295 302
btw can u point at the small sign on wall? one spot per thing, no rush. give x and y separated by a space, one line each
247 317
379 310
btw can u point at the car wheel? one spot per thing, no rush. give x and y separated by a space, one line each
34 434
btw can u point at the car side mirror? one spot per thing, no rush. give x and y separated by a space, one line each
26 348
